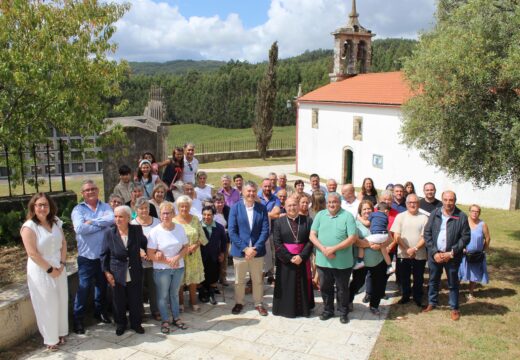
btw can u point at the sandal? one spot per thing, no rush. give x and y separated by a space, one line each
52 348
157 316
62 340
165 327
179 324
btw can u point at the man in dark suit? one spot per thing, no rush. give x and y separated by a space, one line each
446 234
121 263
248 229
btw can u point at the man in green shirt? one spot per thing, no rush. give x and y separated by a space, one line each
333 232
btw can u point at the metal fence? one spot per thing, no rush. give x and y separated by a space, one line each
29 166
240 145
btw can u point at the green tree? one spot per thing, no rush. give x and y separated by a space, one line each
265 101
54 69
465 116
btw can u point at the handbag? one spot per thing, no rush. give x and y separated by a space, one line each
475 257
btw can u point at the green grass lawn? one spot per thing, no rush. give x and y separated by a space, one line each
489 328
207 135
226 164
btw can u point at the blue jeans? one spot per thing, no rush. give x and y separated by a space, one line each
414 268
88 271
167 284
452 272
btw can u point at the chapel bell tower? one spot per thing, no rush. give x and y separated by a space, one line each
352 48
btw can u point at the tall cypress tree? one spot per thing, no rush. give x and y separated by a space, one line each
265 102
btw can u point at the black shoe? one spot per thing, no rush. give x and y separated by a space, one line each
104 318
366 299
203 299
403 301
120 330
270 280
237 309
326 316
419 304
344 319
216 291
212 300
79 328
138 329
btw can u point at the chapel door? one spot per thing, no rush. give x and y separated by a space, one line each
348 160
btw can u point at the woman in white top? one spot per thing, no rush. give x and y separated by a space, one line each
167 246
46 276
202 189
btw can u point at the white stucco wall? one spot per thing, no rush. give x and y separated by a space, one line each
321 151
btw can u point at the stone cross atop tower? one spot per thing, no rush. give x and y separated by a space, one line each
155 107
352 48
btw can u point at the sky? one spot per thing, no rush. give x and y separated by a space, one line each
163 30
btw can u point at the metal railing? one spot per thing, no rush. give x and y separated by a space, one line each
30 165
240 145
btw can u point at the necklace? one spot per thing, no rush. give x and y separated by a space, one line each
297 229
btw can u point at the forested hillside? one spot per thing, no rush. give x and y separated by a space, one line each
174 67
225 96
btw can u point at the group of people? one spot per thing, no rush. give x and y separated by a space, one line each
161 235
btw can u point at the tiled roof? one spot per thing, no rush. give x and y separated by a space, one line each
389 88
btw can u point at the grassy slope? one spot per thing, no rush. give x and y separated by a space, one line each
489 327
180 134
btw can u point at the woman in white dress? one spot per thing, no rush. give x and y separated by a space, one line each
46 276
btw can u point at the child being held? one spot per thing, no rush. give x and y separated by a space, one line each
378 235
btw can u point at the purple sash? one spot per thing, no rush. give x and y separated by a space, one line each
296 249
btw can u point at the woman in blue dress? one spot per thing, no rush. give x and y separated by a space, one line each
475 272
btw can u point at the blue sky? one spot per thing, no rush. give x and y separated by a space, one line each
162 30
252 12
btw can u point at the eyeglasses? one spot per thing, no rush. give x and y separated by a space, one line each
412 202
166 213
90 189
41 206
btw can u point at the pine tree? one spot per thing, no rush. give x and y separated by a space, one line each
265 102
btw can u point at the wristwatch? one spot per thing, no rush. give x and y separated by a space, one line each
49 270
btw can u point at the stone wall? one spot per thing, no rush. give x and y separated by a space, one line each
17 314
250 154
140 141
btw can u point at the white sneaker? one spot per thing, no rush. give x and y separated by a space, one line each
390 270
359 265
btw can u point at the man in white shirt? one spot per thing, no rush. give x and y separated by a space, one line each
191 164
349 202
408 230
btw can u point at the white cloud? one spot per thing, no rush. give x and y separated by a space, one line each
158 32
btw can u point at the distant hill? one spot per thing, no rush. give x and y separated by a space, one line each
177 67
223 94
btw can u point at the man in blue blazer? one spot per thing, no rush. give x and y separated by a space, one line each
248 229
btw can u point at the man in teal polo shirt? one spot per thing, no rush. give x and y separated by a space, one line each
333 232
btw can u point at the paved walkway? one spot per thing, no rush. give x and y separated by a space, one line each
262 171
214 333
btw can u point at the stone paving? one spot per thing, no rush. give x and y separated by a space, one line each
214 333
